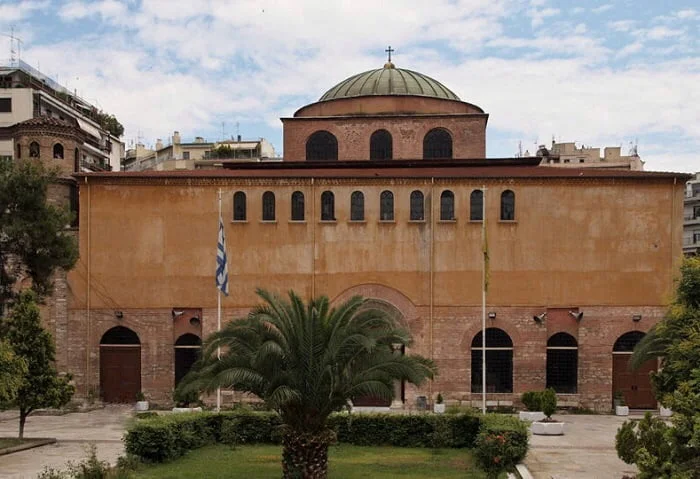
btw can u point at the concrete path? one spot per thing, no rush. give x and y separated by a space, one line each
75 432
585 451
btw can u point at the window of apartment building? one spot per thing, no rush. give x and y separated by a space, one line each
357 206
5 105
5 158
417 206
185 155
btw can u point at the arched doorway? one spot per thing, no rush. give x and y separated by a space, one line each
399 386
634 385
120 365
187 348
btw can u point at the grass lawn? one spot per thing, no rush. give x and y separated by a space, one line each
263 461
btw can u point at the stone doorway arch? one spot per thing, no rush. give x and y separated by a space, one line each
120 365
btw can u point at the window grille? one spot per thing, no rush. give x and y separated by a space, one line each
437 144
327 206
417 206
322 146
386 206
476 206
499 362
447 206
297 206
268 206
380 145
357 206
508 206
239 206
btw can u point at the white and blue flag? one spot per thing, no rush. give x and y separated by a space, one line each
221 263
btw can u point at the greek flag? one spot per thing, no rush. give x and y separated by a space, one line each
221 263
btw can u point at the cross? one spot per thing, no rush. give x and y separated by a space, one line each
389 50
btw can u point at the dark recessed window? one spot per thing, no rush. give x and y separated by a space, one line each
508 206
447 206
239 206
499 362
297 206
437 144
268 206
321 146
5 105
34 150
380 147
357 206
58 151
627 342
327 206
562 363
386 206
476 205
417 206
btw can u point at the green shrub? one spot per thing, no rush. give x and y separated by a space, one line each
548 402
531 400
165 438
146 414
646 443
501 444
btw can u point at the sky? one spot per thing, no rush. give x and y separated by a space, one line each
600 73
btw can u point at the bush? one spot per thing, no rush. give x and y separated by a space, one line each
548 402
646 444
146 414
531 400
168 437
501 444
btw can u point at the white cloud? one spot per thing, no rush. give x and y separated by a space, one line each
578 10
77 9
687 14
622 25
661 33
580 28
18 10
602 8
539 15
629 49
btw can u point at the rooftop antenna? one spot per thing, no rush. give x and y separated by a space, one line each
520 149
223 128
238 130
15 46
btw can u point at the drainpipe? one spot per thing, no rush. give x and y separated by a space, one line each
432 267
313 232
87 301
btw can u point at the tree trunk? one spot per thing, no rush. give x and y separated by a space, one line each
22 420
305 456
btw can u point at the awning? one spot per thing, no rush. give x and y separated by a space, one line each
88 128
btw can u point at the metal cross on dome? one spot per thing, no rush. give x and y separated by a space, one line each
389 50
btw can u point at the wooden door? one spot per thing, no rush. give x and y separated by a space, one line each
120 373
635 385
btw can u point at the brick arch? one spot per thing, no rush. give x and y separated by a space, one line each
385 294
472 331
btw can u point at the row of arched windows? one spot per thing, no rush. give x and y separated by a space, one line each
323 145
35 151
386 206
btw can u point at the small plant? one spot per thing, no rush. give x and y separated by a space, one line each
619 399
548 402
185 399
532 400
140 396
439 399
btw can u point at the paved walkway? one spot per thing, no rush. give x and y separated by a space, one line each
75 432
585 451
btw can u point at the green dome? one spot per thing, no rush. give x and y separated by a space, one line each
389 81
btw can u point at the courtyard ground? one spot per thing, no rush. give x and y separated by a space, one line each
74 432
585 451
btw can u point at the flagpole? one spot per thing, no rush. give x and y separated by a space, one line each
218 323
483 300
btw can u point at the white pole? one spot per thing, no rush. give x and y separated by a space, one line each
483 300
218 323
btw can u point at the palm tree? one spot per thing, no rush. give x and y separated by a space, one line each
306 362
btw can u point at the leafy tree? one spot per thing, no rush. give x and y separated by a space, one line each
12 371
307 361
41 386
111 124
676 340
32 238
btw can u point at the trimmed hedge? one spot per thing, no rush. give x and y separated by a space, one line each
167 437
502 443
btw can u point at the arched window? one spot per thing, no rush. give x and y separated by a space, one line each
34 150
437 144
386 206
357 206
187 348
58 151
476 206
417 206
120 335
19 151
447 206
239 206
268 206
327 206
380 146
499 362
627 342
321 146
507 206
562 363
297 206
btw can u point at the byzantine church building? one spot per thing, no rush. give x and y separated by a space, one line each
381 193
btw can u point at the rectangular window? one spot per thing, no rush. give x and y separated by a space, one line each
5 105
185 155
5 158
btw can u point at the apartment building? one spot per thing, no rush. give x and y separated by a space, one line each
569 155
691 217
